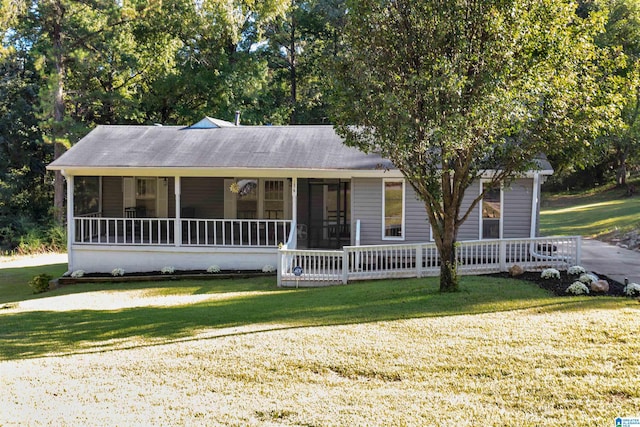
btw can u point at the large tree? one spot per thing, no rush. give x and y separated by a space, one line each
452 91
622 40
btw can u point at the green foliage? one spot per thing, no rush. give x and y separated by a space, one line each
41 240
622 40
22 236
25 193
40 283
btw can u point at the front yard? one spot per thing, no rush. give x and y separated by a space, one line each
501 352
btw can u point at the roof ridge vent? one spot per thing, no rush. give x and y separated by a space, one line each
211 123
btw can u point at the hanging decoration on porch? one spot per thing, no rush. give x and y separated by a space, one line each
243 187
234 188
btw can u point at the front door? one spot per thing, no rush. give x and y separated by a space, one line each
329 214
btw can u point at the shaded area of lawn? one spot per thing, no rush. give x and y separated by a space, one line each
14 282
257 303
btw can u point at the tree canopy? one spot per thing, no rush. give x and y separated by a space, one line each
456 91
452 88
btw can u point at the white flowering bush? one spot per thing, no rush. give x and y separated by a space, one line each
167 270
577 288
632 290
576 270
550 273
268 269
76 274
588 278
213 269
117 272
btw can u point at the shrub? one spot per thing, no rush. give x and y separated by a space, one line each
38 240
577 288
268 269
588 278
632 290
40 283
117 272
76 274
550 273
575 270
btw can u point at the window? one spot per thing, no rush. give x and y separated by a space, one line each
274 199
393 210
491 213
146 197
86 195
247 203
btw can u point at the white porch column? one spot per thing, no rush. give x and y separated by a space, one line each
71 226
294 209
177 226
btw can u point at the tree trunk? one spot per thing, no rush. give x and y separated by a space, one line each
448 266
58 112
292 67
621 173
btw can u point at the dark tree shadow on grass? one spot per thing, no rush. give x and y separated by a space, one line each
38 333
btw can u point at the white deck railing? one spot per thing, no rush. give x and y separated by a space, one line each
419 260
192 232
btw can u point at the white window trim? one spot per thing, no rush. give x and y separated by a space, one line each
404 210
480 219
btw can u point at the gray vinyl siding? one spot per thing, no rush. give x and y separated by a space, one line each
417 229
367 207
516 214
516 211
470 229
204 196
112 197
366 197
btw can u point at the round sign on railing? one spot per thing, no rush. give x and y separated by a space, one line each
297 270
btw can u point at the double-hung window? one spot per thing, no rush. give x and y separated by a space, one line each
491 216
393 206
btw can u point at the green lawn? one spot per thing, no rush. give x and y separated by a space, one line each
595 213
395 352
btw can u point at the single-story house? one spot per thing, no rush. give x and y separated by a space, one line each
142 198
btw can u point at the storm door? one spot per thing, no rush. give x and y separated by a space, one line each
329 214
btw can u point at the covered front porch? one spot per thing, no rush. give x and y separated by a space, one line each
233 222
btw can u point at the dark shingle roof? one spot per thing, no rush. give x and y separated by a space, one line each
252 147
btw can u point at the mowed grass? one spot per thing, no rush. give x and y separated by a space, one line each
594 213
389 353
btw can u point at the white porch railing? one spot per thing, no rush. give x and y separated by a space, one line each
419 260
235 232
194 232
124 231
